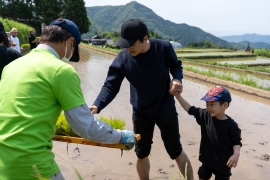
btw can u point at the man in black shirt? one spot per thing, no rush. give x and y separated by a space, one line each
147 64
32 40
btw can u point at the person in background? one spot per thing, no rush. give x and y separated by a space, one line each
32 39
7 54
14 32
220 134
147 65
33 92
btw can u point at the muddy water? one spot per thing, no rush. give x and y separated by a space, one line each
250 112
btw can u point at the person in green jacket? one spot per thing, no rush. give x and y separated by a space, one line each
34 90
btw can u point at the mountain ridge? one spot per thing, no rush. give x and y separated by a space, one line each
110 18
254 38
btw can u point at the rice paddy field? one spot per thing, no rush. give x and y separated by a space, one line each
224 63
252 61
92 162
209 55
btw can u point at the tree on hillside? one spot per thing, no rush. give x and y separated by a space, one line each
152 34
75 11
19 10
35 12
48 10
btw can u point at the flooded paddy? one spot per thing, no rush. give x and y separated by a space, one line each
214 55
247 61
250 112
262 80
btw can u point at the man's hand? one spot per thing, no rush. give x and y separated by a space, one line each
128 139
93 109
232 162
176 87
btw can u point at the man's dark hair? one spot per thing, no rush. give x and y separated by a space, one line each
141 38
55 34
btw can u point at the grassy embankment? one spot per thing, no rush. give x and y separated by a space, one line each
23 30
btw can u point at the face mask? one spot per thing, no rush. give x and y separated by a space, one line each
64 58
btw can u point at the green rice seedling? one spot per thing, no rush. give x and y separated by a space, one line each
178 173
38 175
116 123
247 81
63 128
242 79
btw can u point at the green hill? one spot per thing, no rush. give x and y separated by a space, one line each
22 28
110 18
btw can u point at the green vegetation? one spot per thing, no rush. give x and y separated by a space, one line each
25 45
63 128
114 122
262 52
260 69
115 35
110 35
36 12
215 55
203 45
195 50
23 29
239 66
227 76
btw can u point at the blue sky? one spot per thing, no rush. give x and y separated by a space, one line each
218 17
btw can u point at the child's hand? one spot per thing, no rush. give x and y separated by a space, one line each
232 162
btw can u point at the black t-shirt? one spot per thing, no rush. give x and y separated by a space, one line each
32 38
217 138
6 56
149 77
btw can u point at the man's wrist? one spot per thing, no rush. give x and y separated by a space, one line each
180 80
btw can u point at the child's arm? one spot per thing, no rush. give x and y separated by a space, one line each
183 102
232 162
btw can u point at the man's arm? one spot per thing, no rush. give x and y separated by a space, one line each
183 102
111 86
84 124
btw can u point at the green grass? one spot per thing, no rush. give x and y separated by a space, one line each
63 128
116 123
22 28
211 55
262 52
239 66
227 76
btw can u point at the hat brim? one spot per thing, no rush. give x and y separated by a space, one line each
210 98
76 56
125 43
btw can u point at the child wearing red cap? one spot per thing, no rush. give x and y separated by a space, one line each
220 134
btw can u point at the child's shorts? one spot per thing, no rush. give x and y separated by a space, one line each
206 172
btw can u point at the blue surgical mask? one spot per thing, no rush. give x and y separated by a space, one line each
64 58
